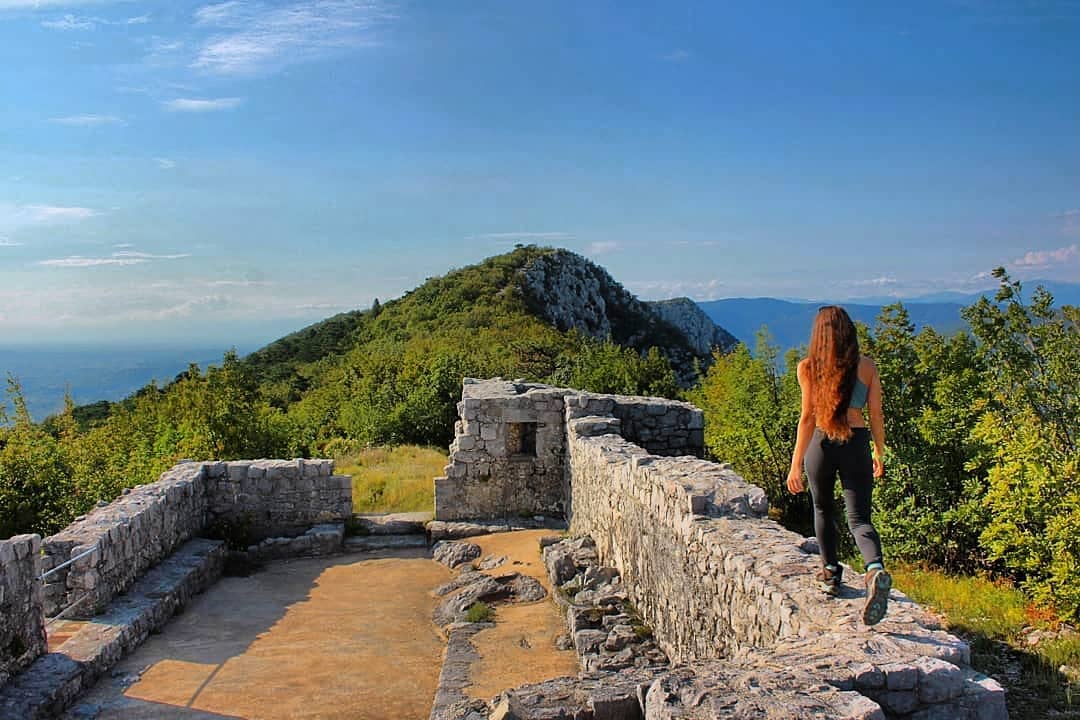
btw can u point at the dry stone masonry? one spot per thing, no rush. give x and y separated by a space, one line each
726 590
22 626
141 556
509 450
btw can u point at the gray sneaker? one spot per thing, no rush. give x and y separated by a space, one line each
878 584
829 580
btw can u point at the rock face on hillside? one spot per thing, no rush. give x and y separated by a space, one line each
700 330
570 291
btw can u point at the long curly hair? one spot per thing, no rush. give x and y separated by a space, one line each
834 365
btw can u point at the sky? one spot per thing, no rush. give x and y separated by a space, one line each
183 172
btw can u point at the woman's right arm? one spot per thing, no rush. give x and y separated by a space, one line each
877 421
804 433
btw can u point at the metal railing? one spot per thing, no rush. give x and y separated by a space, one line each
46 573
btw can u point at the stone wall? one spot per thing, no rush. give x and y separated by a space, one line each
507 455
22 624
718 580
242 502
248 501
126 537
509 449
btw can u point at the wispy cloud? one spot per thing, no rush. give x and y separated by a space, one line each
165 163
880 281
1070 221
120 258
69 22
87 120
602 247
195 305
58 213
665 289
198 105
676 56
522 237
41 4
252 37
1041 259
5 242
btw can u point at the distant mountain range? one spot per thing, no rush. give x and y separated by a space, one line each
789 321
564 289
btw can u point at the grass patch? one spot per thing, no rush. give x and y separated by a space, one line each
393 479
479 612
990 616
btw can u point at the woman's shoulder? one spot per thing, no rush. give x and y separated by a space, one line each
867 366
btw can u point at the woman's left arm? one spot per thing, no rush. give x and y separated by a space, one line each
877 422
805 431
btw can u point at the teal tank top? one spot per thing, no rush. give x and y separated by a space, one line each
858 394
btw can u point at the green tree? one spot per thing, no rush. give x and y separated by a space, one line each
1032 355
751 406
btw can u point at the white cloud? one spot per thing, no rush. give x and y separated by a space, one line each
1040 259
880 281
523 237
138 20
58 213
188 308
165 163
665 289
119 258
198 105
87 120
148 256
677 56
40 4
253 37
5 242
603 247
69 22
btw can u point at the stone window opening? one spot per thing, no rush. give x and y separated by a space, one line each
521 439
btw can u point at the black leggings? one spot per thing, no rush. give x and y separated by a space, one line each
824 458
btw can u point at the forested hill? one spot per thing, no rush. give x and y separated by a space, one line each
530 284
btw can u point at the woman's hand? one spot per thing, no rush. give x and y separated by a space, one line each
879 467
795 481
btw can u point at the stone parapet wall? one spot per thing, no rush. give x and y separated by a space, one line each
126 537
660 426
650 518
509 448
242 501
507 453
250 500
22 623
717 580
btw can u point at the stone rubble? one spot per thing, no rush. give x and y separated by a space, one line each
453 554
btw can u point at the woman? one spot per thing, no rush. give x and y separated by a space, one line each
837 384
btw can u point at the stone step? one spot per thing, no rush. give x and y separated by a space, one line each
392 523
54 680
367 543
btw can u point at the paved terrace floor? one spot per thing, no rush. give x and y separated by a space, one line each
343 637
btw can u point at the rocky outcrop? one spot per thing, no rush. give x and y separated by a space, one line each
572 292
702 333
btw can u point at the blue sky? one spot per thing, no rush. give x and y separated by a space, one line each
182 171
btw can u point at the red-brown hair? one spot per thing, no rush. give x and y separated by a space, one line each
834 364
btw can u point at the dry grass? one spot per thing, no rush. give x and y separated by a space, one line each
393 479
991 616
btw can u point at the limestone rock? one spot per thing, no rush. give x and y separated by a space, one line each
453 554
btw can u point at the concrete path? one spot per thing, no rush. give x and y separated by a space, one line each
343 637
